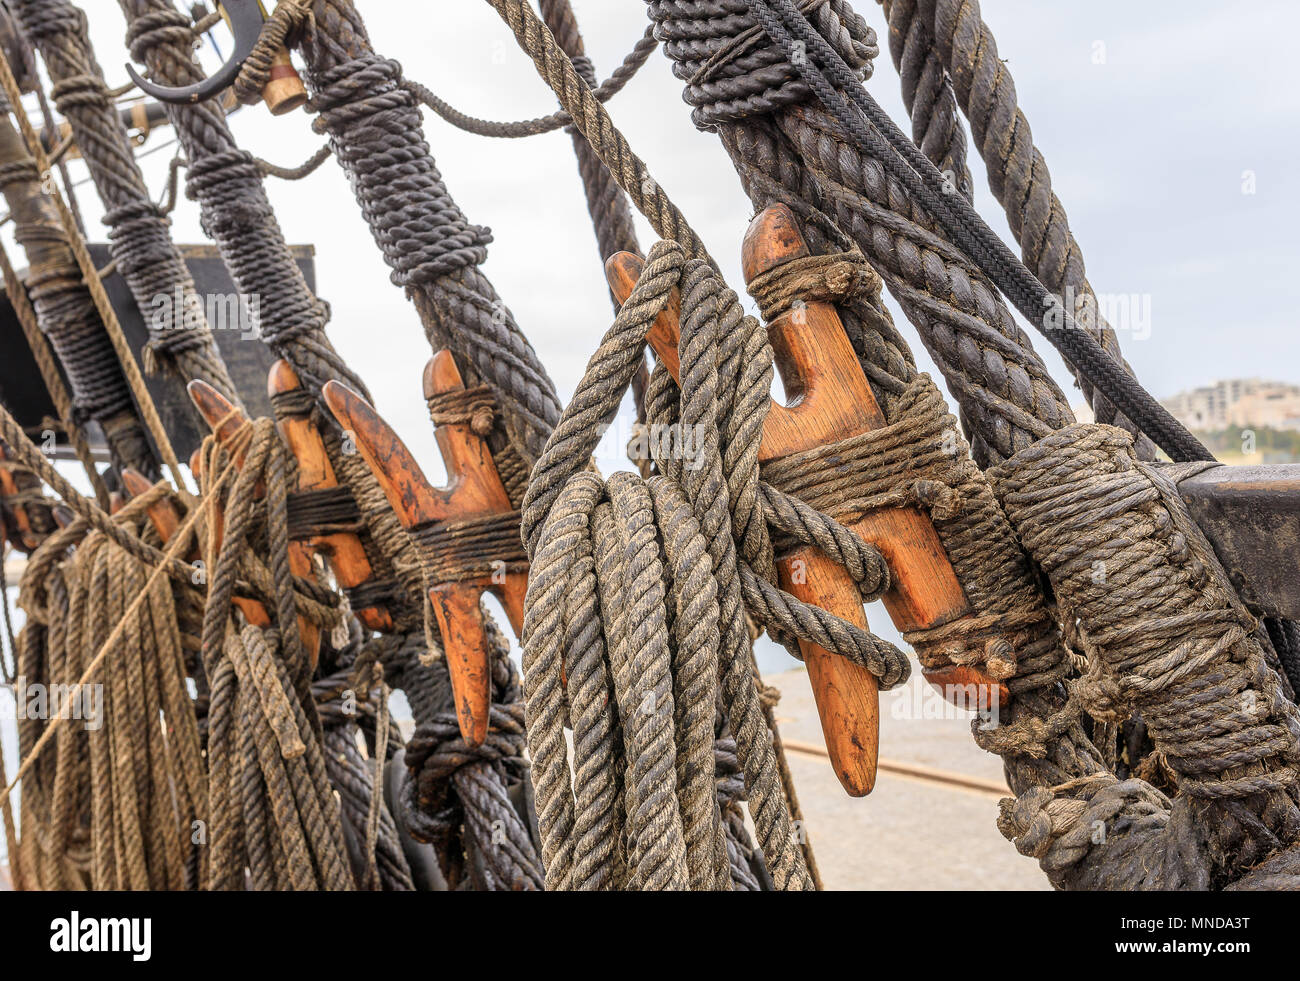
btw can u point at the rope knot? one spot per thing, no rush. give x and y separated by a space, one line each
834 278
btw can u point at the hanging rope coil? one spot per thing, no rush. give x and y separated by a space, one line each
608 547
112 803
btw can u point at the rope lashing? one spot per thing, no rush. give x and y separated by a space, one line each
1165 635
307 820
63 313
26 519
324 513
467 534
146 256
1125 557
870 127
235 211
288 17
375 127
43 355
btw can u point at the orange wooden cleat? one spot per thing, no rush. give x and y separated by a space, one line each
475 494
343 550
23 533
833 402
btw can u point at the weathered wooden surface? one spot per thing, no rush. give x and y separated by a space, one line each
342 550
1251 515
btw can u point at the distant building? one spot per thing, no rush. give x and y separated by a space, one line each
1249 402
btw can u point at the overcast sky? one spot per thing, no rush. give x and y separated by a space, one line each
1156 119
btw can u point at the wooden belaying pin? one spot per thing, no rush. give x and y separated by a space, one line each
343 550
474 492
226 420
834 402
162 513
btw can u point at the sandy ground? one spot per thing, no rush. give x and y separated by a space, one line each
907 834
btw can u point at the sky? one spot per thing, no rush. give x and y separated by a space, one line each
1170 129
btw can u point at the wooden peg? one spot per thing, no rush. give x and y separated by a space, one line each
474 491
27 535
225 420
284 91
832 401
343 550
162 514
63 515
166 521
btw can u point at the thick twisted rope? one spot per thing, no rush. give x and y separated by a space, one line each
947 55
64 313
233 205
374 125
90 274
142 247
596 604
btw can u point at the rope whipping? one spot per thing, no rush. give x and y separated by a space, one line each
237 214
141 245
235 211
869 127
374 125
1066 786
44 357
90 275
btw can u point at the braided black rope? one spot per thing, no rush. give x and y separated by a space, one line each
788 27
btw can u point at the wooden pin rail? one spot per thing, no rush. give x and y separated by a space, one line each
474 491
832 401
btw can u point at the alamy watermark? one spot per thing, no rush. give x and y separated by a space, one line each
178 310
1126 313
954 701
658 441
77 703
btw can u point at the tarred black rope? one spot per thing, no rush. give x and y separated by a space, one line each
907 164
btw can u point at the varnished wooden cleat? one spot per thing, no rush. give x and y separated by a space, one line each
225 421
162 514
343 550
475 491
833 402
